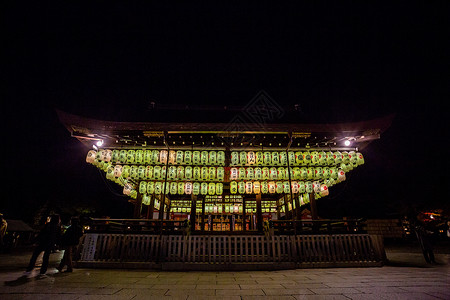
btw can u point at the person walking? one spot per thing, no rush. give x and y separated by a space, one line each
46 240
69 241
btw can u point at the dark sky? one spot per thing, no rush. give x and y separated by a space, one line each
340 61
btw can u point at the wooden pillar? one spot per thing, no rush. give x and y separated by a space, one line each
244 215
138 206
259 221
312 201
193 211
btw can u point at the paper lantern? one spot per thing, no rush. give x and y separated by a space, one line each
286 187
146 199
275 158
90 158
248 187
352 157
150 187
173 188
303 173
251 158
220 173
157 172
272 187
204 157
142 187
196 157
155 157
333 172
188 172
123 156
233 187
234 173
258 173
318 173
299 158
212 158
330 158
310 174
212 173
279 187
267 158
324 190
264 187
241 173
344 167
125 171
133 194
250 173
294 186
306 158
316 186
309 187
204 173
163 156
139 157
180 189
127 188
188 157
117 171
265 173
196 188
281 173
359 158
259 158
219 188
133 172
234 158
172 173
301 187
345 157
197 173
221 158
283 158
326 172
243 158
110 172
273 173
188 188
147 156
100 155
107 155
296 173
180 172
314 158
115 156
179 157
141 172
203 188
341 175
241 187
130 156
291 158
256 187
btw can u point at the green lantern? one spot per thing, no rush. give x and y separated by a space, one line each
204 157
204 173
265 173
157 172
196 158
314 158
139 158
110 173
150 187
344 167
219 188
203 188
241 187
279 187
352 157
188 172
303 173
188 157
141 172
267 158
264 187
241 173
250 173
307 158
308 187
179 157
90 158
286 187
273 173
123 156
212 173
318 173
211 188
197 173
172 173
299 158
310 175
212 158
196 188
155 157
330 158
133 172
283 158
130 156
259 158
147 156
221 158
296 173
345 157
146 199
281 173
291 158
322 158
326 172
115 156
333 173
234 158
359 158
301 187
243 158
220 173
142 187
275 158
158 187
233 187
180 172
125 171
173 188
258 173
337 157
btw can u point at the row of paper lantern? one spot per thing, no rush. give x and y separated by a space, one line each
243 158
218 173
180 188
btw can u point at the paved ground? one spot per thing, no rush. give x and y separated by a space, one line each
406 277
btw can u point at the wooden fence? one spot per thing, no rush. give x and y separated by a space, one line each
301 250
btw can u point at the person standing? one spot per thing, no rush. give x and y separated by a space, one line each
424 237
46 240
69 241
3 227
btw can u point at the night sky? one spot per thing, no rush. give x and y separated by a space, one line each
339 61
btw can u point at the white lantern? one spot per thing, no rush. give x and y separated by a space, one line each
316 186
219 188
127 188
248 187
267 158
264 187
205 173
234 173
188 172
251 158
212 158
196 157
281 173
172 157
272 187
188 188
279 187
197 173
108 155
273 173
283 158
221 158
294 186
241 187
243 158
256 187
157 172
117 171
212 173
150 187
139 157
242 173
90 158
265 173
142 187
250 173
180 172
180 188
324 190
258 173
163 156
196 188
275 158
259 158
220 173
155 157
203 188
180 157
187 157
359 158
234 158
233 187
341 175
204 157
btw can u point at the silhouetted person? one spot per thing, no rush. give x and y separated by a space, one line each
424 237
46 240
3 227
69 241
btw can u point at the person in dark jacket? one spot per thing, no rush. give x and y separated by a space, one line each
424 237
69 241
46 240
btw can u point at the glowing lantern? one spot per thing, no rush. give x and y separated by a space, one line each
233 187
107 155
310 174
234 158
157 172
188 188
141 172
259 158
180 172
281 173
344 167
299 158
117 171
256 187
123 156
211 188
301 187
179 157
133 194
196 188
333 173
273 173
127 188
146 199
286 187
275 158
188 157
279 187
241 187
163 156
322 158
243 158
359 158
212 173
147 156
294 186
352 157
303 173
314 158
234 173
197 173
90 158
188 172
115 156
291 158
220 173
272 187
258 173
142 187
204 155
318 173
345 157
221 158
326 172
341 175
265 173
163 172
212 157
151 187
172 173
308 187
219 188
250 173
324 190
283 158
316 186
110 173
139 157
173 188
264 187
296 173
196 157
133 172
204 173
130 156
155 156
251 158
203 188
267 158
241 173
125 171
307 158
99 155
248 187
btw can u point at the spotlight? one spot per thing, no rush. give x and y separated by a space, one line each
99 143
347 143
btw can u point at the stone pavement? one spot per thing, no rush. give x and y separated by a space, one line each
405 277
